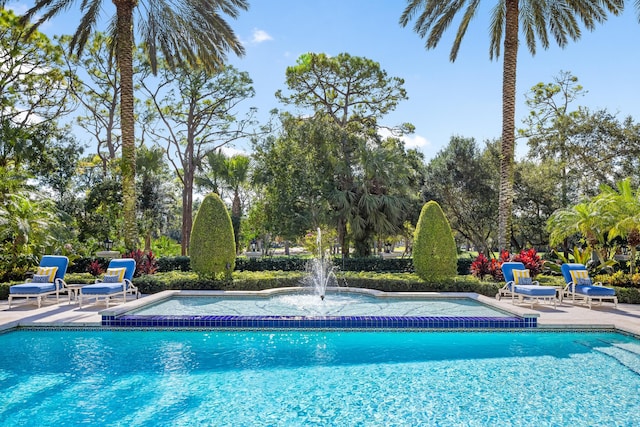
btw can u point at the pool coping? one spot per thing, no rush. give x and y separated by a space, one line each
517 318
567 316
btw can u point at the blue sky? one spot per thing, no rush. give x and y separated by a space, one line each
445 99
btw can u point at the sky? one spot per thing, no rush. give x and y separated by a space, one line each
446 99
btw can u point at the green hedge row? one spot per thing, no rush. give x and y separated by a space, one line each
284 263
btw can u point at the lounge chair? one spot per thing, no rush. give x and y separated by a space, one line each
581 288
520 286
48 280
115 282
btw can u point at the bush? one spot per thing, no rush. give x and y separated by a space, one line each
435 254
531 261
212 246
282 263
482 266
178 263
146 263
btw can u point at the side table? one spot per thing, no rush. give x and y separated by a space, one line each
73 289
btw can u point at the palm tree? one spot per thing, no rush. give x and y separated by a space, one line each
592 220
538 18
229 173
194 33
625 207
237 175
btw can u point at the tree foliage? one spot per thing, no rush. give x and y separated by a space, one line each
538 20
435 255
34 93
98 94
212 244
191 113
463 180
348 96
193 34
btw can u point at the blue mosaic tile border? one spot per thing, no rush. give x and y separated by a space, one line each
326 322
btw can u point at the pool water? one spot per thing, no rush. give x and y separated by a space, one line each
295 378
338 304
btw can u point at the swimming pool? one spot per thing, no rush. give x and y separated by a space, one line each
340 378
293 308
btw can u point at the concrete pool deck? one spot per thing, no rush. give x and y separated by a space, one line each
625 318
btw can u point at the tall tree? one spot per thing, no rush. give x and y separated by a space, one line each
237 176
99 95
192 112
34 93
302 171
462 179
353 93
539 19
550 121
195 33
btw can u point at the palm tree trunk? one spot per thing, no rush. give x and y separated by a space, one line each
508 124
124 52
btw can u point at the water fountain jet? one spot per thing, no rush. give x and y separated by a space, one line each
320 271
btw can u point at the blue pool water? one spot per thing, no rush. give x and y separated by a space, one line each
295 378
338 304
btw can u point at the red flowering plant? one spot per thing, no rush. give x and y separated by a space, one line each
95 268
480 267
145 263
149 264
531 261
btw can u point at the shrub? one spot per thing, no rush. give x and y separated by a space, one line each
145 263
178 263
481 267
435 256
95 268
212 247
531 261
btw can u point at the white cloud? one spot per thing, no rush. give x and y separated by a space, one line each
410 141
232 151
260 36
416 141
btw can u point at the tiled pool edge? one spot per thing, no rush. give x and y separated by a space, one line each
324 322
118 317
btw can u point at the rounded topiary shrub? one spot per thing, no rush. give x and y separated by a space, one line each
435 256
212 248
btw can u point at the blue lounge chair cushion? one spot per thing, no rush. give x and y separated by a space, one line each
32 288
102 288
535 290
595 291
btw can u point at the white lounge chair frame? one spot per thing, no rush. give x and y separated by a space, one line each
58 282
569 290
507 289
127 285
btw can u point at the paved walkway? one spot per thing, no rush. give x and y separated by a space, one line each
566 315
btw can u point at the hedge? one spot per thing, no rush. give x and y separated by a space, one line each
282 263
